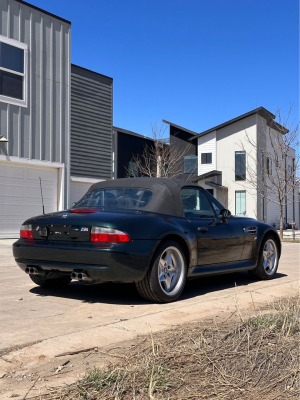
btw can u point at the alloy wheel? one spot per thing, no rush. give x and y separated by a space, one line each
171 271
270 257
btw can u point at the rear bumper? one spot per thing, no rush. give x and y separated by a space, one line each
122 262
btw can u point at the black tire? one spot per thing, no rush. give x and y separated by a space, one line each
55 282
263 269
170 264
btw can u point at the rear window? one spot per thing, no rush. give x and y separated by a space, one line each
134 198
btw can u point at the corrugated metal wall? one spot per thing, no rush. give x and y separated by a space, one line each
41 130
91 124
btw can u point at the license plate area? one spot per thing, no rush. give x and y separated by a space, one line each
66 232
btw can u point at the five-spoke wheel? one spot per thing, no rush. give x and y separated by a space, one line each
165 279
267 263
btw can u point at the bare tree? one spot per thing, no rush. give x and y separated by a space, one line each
160 159
272 164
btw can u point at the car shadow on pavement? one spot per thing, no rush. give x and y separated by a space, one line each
126 294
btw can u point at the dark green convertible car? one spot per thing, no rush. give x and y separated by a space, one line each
155 232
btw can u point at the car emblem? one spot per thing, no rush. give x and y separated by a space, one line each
84 229
43 231
65 216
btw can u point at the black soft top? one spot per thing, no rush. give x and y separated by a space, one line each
166 192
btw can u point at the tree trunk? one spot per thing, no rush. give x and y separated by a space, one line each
281 221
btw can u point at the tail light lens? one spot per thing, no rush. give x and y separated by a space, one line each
26 232
108 235
81 211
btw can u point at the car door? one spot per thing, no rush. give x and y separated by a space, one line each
218 241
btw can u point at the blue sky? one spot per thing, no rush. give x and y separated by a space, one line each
196 63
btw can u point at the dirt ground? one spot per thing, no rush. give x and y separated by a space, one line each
37 326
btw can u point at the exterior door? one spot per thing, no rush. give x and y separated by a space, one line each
218 242
20 195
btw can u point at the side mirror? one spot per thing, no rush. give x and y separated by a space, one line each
225 213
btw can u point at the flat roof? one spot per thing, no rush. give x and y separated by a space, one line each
89 70
43 11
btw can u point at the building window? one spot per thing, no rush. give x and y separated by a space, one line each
262 206
240 165
190 165
206 158
133 169
240 203
13 71
262 166
269 166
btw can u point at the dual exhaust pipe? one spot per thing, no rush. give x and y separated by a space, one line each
80 276
34 271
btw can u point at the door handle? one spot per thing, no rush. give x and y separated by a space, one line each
202 229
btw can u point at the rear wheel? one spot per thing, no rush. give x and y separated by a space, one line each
165 279
54 282
268 260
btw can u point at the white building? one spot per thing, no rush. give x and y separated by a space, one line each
224 160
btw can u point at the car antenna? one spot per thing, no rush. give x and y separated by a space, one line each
42 195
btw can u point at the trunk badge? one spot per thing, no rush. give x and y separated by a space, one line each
84 229
65 216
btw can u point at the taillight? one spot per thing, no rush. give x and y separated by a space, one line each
81 211
108 235
26 232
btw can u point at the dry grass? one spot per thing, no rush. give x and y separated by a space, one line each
252 358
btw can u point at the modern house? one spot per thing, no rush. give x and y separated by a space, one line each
222 157
35 74
125 146
55 118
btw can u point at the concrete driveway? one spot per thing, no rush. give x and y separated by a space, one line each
37 322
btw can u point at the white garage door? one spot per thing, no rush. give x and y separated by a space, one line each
20 196
77 190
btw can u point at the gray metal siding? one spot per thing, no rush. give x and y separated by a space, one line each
91 124
41 130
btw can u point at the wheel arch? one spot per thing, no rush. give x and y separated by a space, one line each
182 243
275 236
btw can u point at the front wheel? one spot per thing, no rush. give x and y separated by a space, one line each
268 260
165 279
59 281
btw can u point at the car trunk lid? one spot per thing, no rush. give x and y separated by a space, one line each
70 226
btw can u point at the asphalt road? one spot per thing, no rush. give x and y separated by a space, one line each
45 322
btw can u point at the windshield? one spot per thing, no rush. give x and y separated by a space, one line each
134 198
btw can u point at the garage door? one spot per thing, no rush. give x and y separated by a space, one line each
77 190
20 196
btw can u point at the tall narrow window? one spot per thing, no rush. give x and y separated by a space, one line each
262 166
269 166
13 78
262 206
240 203
240 165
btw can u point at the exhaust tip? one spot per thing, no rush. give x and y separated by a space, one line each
27 270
